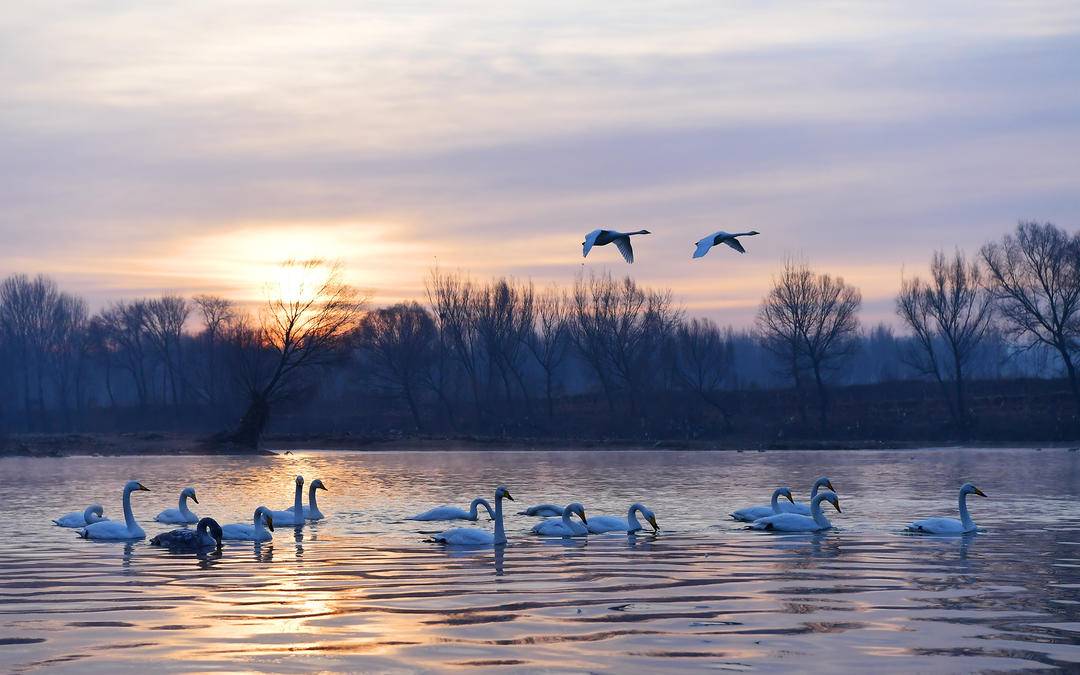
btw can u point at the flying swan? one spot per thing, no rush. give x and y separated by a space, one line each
950 525
471 536
564 527
717 238
256 531
289 516
752 513
207 534
114 530
92 514
454 513
630 524
605 237
311 511
793 522
181 515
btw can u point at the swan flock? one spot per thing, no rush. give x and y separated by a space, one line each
568 521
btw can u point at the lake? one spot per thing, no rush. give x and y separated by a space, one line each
362 591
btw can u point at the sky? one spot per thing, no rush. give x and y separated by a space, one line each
190 147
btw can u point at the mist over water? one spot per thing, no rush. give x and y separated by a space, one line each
362 591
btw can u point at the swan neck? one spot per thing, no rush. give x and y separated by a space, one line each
815 511
775 501
298 500
965 517
631 519
184 510
129 517
473 509
312 499
500 532
814 491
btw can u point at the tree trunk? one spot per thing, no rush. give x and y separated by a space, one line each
823 401
253 423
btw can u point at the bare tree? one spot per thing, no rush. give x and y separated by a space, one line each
303 325
1034 276
951 313
452 297
217 315
548 340
811 320
702 361
400 342
165 319
503 313
126 337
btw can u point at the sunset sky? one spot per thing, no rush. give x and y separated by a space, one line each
190 146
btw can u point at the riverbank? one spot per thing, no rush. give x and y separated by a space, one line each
155 443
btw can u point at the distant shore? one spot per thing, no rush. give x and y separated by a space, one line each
167 443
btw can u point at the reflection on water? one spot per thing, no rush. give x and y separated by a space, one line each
362 591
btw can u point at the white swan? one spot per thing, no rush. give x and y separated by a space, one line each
181 515
950 525
804 509
470 536
311 511
454 513
115 530
629 524
605 237
542 510
564 527
752 513
289 516
92 514
207 534
256 531
793 522
717 238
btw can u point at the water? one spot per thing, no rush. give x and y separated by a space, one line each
362 591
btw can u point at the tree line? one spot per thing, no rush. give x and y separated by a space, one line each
600 357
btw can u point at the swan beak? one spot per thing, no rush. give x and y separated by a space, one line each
790 499
837 505
979 492
506 493
143 488
270 523
652 521
323 487
194 498
583 519
828 484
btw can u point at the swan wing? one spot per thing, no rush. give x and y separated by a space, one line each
703 246
174 517
625 248
464 536
752 513
111 530
734 243
800 509
590 241
602 524
442 513
286 518
937 526
786 522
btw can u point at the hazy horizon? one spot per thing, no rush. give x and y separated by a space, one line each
191 148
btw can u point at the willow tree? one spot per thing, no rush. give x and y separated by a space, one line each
309 313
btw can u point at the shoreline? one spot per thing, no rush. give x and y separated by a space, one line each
161 443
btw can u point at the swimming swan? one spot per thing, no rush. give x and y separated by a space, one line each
605 237
311 511
717 238
469 536
181 515
752 513
793 522
564 527
454 513
289 516
207 534
92 514
629 524
542 510
950 525
256 531
804 509
114 530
